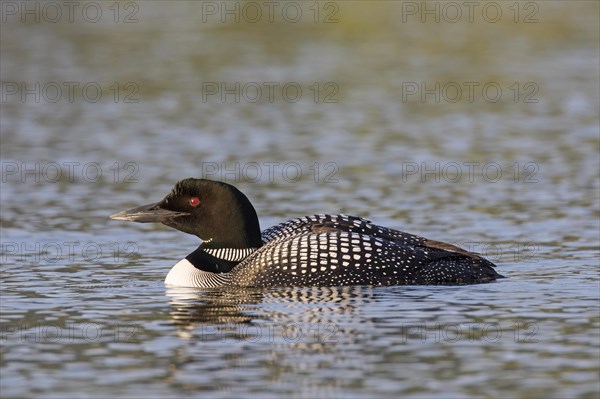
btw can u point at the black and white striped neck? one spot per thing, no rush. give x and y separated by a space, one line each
217 260
229 254
185 274
207 267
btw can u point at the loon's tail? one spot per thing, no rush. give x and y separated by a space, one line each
459 270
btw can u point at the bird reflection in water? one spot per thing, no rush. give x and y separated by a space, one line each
306 316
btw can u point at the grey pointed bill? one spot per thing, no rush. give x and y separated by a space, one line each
151 213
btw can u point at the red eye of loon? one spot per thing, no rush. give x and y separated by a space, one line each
194 201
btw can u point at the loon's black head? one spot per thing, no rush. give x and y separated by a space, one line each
216 212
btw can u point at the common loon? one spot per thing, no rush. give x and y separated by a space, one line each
318 250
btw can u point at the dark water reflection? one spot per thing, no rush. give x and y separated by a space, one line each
84 312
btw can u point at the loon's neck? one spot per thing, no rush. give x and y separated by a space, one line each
207 267
185 274
209 260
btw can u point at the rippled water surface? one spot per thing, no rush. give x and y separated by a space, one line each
367 111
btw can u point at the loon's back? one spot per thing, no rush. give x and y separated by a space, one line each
340 250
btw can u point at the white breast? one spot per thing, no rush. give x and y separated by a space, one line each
184 274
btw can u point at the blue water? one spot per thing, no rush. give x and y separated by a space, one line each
84 312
